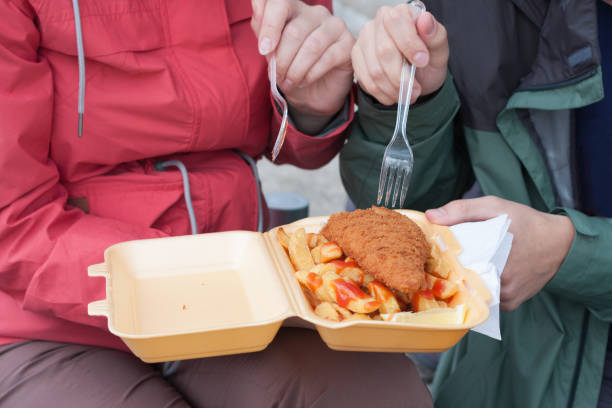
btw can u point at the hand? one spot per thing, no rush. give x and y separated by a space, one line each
313 61
386 40
541 242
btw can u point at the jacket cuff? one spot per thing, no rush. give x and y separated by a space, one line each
339 120
571 280
307 151
424 119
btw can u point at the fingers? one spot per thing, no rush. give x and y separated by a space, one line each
377 62
335 56
400 26
269 17
433 35
458 211
376 55
304 42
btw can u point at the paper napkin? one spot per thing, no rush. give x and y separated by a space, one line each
485 249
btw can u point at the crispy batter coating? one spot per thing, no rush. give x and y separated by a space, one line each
388 245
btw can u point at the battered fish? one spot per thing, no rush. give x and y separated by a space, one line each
386 244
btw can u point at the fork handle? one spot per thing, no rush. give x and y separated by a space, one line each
407 81
403 103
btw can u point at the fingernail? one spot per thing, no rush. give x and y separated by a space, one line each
287 84
420 59
265 46
431 26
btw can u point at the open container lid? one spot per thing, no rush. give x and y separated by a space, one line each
229 292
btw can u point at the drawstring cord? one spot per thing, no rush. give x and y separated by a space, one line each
161 166
253 165
170 367
81 59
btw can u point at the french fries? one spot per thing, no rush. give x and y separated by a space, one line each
283 238
339 290
348 295
314 282
299 251
435 264
441 288
424 300
326 252
315 240
388 302
326 310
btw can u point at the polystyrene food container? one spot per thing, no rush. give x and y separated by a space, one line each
229 292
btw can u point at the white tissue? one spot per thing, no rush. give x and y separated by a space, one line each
485 249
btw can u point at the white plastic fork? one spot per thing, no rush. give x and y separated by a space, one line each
398 159
278 98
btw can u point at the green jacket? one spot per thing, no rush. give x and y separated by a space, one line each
554 345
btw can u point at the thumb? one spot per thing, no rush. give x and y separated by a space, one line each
458 211
434 36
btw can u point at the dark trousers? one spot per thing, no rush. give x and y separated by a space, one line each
296 370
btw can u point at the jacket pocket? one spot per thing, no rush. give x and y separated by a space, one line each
138 199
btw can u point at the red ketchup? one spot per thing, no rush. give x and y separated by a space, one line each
346 291
314 281
439 287
381 290
340 265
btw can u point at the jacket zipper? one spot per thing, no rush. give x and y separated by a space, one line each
561 84
585 326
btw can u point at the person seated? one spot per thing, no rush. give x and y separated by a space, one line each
100 103
514 108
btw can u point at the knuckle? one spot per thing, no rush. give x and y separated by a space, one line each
320 11
373 89
313 44
404 10
336 23
328 59
460 206
385 50
293 77
367 28
493 201
268 25
385 100
381 12
377 73
294 32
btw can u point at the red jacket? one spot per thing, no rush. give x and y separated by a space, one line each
164 79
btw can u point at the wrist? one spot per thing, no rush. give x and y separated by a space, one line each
310 123
562 233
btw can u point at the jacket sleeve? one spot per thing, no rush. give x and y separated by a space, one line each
586 274
45 246
441 169
310 152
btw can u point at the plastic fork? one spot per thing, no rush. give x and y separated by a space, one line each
278 98
398 158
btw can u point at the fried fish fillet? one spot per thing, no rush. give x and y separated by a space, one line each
386 244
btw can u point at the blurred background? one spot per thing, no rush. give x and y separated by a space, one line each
321 187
